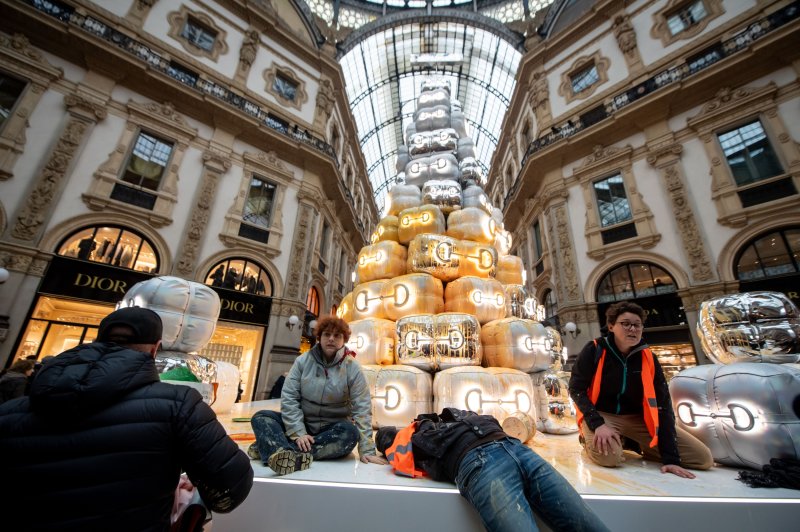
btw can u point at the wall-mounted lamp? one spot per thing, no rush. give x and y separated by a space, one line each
571 328
312 325
292 322
3 275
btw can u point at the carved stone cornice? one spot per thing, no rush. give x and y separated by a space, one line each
216 161
268 160
79 105
168 120
715 112
664 155
601 155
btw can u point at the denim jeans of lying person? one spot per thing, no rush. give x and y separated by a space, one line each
508 483
334 441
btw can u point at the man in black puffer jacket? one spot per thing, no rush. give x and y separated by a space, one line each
100 443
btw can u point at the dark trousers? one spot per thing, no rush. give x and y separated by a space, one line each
333 441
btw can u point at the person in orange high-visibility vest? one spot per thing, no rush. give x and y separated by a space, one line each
503 479
620 392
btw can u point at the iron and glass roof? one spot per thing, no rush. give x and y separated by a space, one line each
469 43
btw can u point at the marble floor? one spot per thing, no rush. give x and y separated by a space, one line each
636 478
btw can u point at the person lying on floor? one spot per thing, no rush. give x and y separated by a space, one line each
504 480
325 408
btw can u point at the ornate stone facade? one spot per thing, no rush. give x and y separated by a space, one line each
48 184
667 159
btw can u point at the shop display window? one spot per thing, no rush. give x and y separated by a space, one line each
113 246
240 274
674 358
58 324
238 344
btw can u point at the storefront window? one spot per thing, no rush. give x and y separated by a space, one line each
60 324
113 246
240 274
238 344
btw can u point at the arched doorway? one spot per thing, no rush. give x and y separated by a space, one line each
655 290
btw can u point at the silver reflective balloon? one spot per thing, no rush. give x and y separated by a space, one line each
750 327
746 413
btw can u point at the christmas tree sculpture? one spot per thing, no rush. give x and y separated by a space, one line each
439 315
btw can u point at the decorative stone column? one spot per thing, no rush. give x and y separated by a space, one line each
48 185
215 164
562 252
666 158
303 245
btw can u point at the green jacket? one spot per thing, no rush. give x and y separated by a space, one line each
317 393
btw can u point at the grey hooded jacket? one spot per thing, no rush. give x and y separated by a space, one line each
317 393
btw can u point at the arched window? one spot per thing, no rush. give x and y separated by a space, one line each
634 280
770 255
240 274
111 245
312 301
550 304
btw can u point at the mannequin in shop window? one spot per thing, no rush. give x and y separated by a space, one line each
85 248
218 275
230 279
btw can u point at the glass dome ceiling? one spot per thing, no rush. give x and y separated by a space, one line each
393 45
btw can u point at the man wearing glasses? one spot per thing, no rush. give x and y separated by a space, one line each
621 393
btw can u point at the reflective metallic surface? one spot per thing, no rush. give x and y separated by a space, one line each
746 413
441 341
399 394
188 310
497 392
752 327
516 343
516 296
444 193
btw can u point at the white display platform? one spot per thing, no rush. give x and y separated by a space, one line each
349 495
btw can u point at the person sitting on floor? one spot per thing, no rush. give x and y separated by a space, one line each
325 408
622 395
504 480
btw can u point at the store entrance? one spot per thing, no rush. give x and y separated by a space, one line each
239 344
57 324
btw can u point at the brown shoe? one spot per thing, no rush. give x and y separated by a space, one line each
287 461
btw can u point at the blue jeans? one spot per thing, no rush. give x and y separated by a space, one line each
334 441
506 482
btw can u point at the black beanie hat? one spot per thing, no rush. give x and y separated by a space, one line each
384 438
